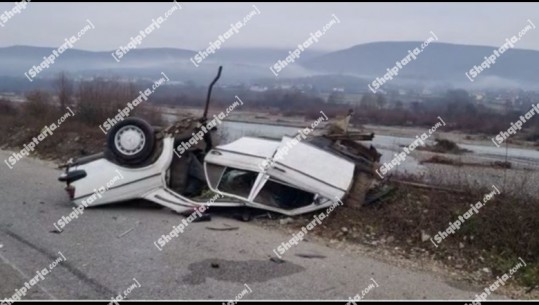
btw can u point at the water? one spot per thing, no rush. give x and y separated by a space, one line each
386 145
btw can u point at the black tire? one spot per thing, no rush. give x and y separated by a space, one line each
140 134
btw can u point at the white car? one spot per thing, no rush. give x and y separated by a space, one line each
141 162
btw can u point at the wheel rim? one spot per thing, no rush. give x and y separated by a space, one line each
130 140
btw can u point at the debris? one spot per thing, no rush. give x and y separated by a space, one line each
486 270
229 228
309 255
263 215
125 233
501 164
424 236
215 265
344 229
276 260
384 192
41 202
1 246
204 217
461 245
55 231
442 160
286 221
428 186
444 146
246 216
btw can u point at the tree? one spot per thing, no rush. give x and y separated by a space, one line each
64 90
380 100
368 101
38 103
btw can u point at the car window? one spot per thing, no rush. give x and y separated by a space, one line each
277 194
215 172
237 182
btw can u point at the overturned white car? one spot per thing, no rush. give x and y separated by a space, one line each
292 176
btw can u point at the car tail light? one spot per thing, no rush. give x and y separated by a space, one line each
70 191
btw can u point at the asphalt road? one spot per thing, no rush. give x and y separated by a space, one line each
109 249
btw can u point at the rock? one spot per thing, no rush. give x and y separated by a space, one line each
486 270
424 236
286 221
461 245
310 255
276 260
215 265
390 239
344 229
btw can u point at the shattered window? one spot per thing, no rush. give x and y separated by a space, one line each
238 182
276 194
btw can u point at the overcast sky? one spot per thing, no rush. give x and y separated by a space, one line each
279 25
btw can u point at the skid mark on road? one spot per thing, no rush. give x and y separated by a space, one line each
66 264
239 271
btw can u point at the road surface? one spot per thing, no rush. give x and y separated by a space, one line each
109 249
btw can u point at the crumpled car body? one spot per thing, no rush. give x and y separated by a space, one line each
290 177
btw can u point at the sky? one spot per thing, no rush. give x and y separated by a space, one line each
275 25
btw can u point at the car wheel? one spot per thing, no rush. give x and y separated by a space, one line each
131 141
